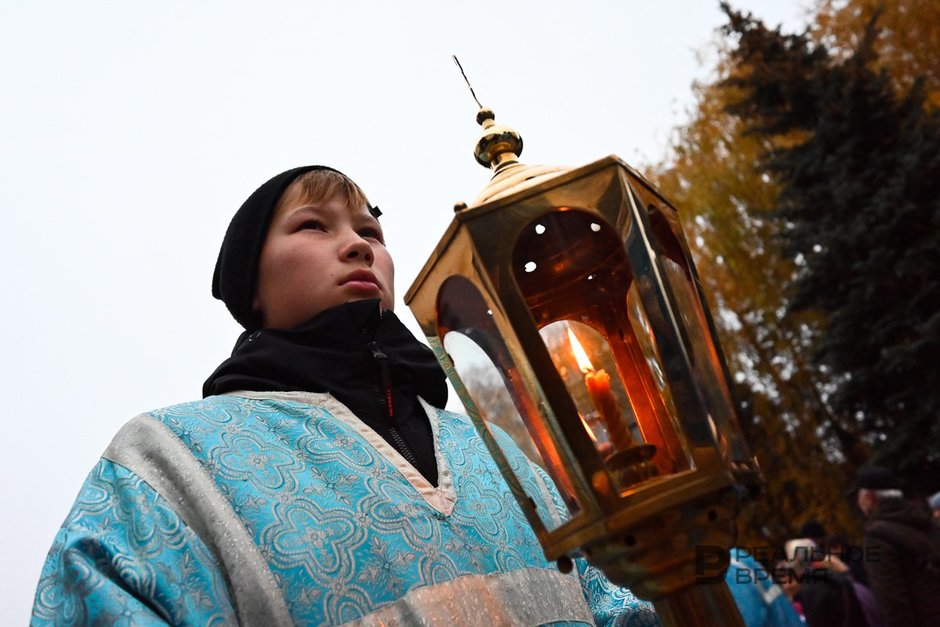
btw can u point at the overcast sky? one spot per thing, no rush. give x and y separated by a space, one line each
130 132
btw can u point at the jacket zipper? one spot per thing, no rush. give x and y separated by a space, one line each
398 442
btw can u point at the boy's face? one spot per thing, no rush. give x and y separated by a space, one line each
318 255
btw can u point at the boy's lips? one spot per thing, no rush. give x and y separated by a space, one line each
361 279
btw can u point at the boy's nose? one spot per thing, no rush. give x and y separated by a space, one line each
359 247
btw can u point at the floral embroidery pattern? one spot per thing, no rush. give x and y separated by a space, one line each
341 529
333 515
122 543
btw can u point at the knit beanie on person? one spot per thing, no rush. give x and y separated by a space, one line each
236 270
872 477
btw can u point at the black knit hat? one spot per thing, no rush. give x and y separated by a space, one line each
236 270
812 528
874 478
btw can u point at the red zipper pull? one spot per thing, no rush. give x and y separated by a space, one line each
382 358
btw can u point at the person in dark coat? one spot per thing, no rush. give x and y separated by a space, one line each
902 550
852 556
825 593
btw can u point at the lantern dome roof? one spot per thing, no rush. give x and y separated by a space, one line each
498 148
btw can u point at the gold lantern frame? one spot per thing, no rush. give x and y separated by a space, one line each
644 533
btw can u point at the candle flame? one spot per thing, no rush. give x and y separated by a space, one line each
579 355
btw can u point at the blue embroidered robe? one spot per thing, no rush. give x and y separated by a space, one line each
284 508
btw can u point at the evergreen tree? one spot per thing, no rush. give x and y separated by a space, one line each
859 214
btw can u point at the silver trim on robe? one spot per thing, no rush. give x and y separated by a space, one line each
531 596
149 449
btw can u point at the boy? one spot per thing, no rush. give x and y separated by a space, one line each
319 481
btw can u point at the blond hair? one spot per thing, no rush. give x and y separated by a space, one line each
319 186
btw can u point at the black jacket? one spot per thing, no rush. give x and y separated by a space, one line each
828 599
363 356
902 558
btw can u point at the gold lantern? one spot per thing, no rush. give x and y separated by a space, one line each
575 290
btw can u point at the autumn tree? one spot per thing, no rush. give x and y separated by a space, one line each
906 43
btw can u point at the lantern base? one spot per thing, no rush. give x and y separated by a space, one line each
701 605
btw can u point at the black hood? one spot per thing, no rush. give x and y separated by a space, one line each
330 353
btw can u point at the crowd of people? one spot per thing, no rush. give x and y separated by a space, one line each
889 578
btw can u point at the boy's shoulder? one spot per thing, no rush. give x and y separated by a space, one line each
229 406
211 406
228 412
202 425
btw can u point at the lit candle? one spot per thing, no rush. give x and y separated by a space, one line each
598 385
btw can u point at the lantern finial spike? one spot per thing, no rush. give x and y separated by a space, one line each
498 146
467 81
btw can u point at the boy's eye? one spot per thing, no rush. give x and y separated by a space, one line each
372 233
315 225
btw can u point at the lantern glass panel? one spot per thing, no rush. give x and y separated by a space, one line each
699 338
497 393
706 366
646 341
482 380
574 274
